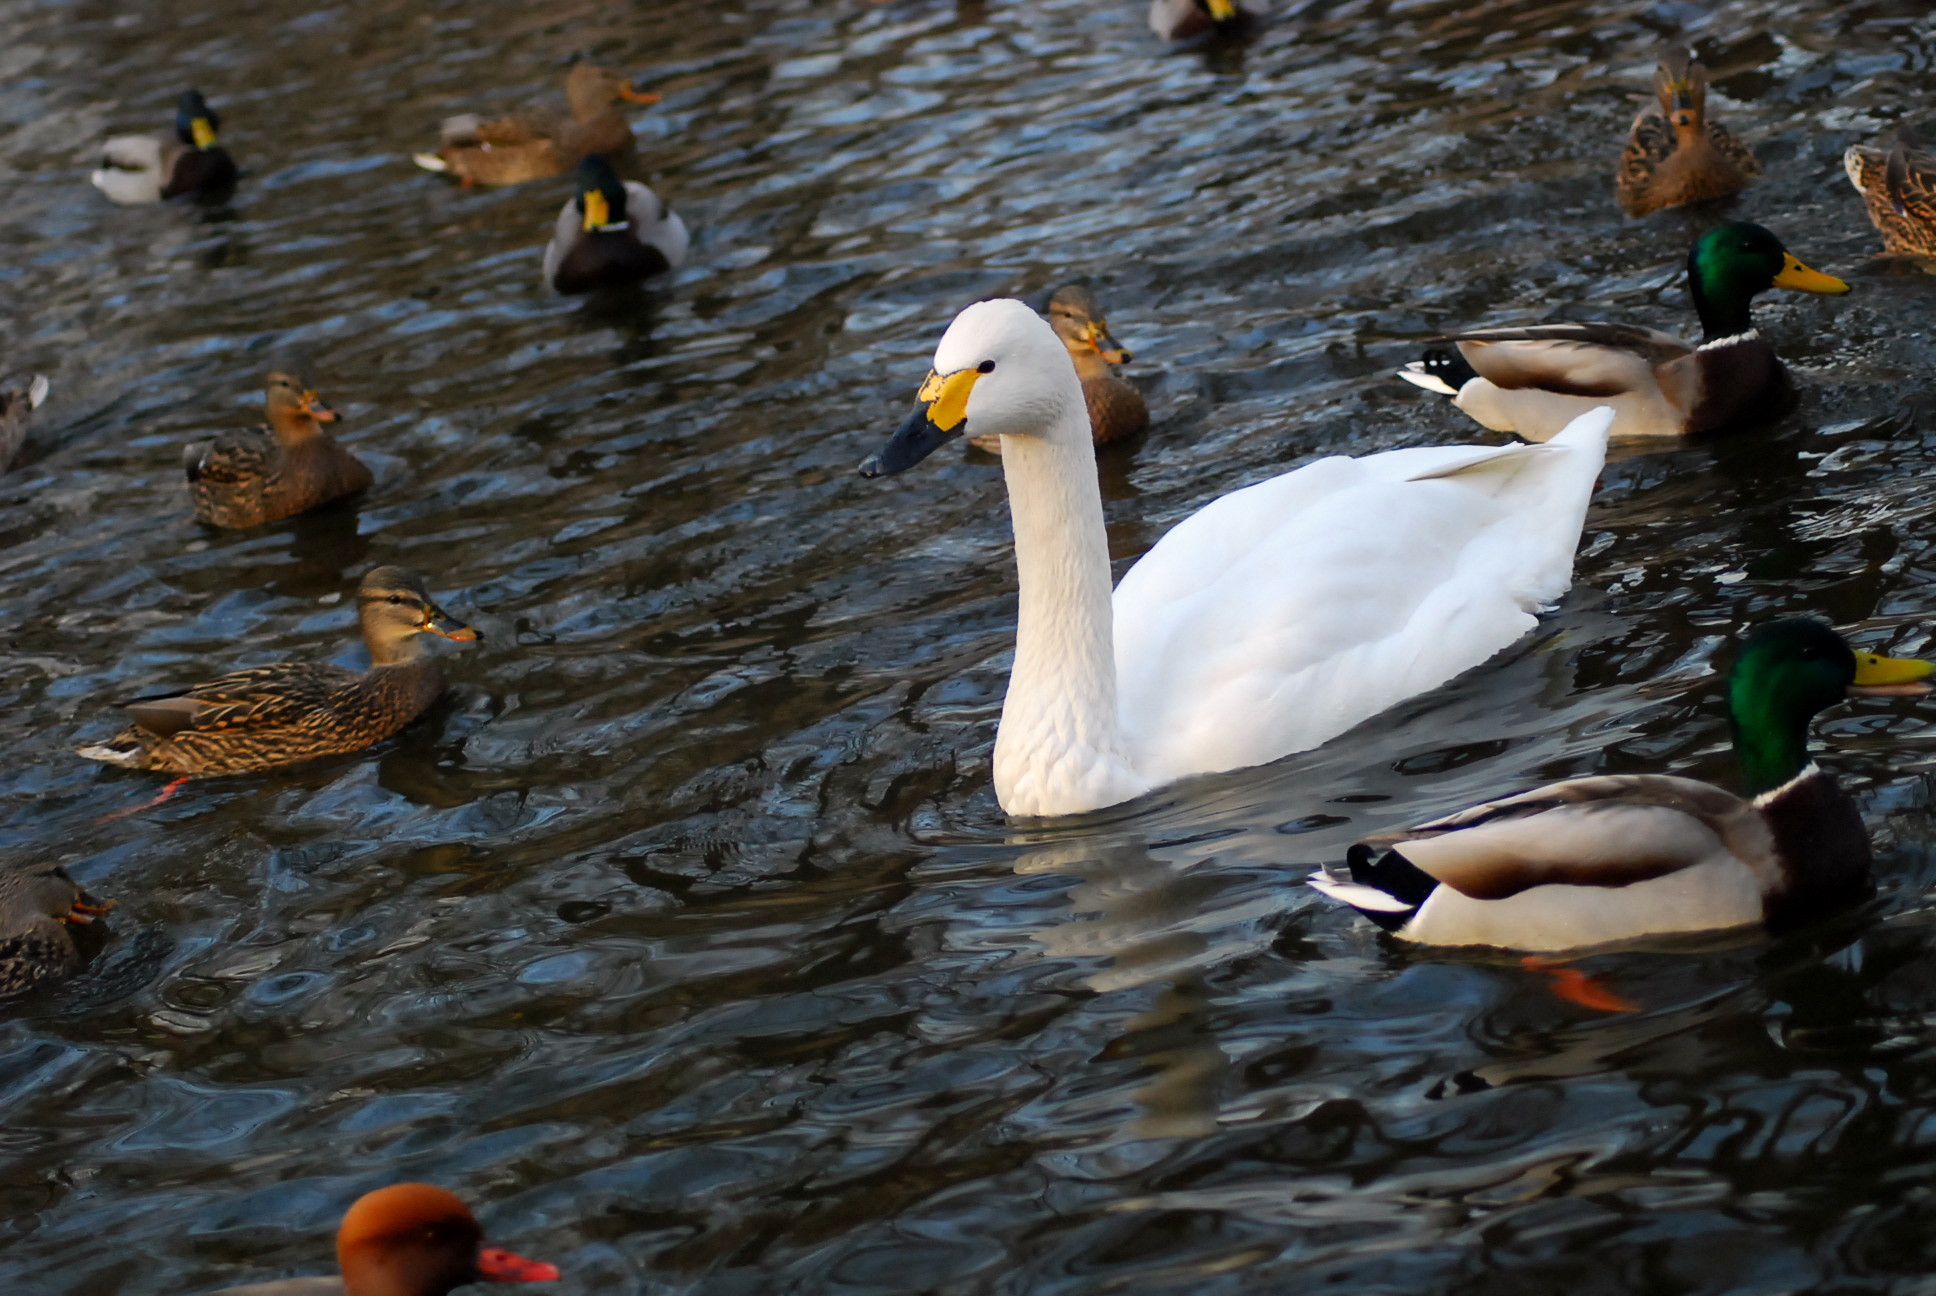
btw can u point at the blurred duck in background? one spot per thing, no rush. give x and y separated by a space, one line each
17 406
1116 408
1180 20
149 168
253 476
540 143
1676 155
612 234
1899 189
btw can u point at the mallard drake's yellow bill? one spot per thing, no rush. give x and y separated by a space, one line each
1796 275
598 211
204 132
1891 676
940 415
1221 10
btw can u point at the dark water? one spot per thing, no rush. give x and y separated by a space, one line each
685 936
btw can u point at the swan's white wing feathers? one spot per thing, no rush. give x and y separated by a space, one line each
1283 614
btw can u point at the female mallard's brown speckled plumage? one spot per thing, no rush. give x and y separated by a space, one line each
36 905
16 409
295 711
531 146
1899 188
1675 155
249 477
1116 408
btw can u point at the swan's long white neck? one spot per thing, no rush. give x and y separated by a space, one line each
1059 749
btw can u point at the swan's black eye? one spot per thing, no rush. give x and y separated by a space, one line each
986 366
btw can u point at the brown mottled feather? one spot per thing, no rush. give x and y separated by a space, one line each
1117 411
35 943
246 478
1899 189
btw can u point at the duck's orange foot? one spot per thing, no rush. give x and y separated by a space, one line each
158 798
1576 987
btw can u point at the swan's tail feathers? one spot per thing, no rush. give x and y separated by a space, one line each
1589 431
1388 889
1484 459
37 391
1441 369
430 162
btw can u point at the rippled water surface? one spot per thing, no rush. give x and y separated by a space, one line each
685 936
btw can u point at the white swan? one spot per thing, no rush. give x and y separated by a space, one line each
1268 622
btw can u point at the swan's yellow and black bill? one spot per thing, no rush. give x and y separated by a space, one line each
1796 275
1891 676
940 415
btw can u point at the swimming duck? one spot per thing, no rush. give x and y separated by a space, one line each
1676 155
1618 857
37 905
268 716
1535 380
1899 188
17 408
1270 621
256 475
612 233
1176 20
149 168
410 1239
1116 408
531 146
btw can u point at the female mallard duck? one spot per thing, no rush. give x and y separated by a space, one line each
531 146
1273 619
149 168
1116 408
409 1239
612 233
1178 20
37 904
16 410
1676 155
248 477
267 716
1899 188
1617 857
1535 380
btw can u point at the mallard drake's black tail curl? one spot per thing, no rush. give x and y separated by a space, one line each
268 716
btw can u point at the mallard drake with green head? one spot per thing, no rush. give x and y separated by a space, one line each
267 716
534 145
149 168
1181 20
1116 408
38 904
1536 380
17 406
1676 155
1899 189
253 476
1596 860
612 234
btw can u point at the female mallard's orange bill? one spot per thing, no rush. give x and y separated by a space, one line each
440 622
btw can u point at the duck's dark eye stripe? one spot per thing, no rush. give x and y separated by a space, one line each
986 366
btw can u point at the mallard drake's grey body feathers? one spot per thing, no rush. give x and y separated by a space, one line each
16 411
281 714
612 234
531 146
37 905
254 476
1674 154
151 168
1593 861
1535 380
1899 189
1116 408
